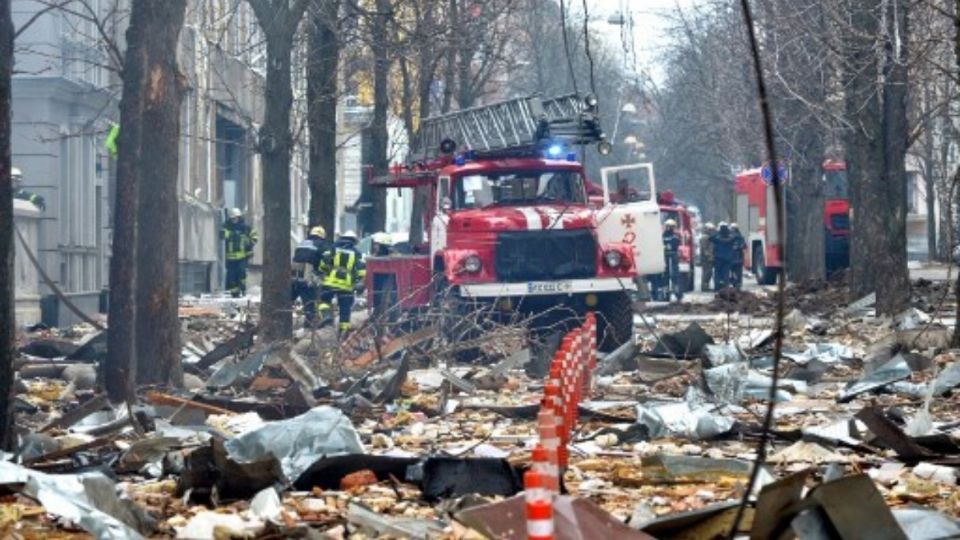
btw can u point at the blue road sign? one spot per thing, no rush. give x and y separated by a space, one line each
766 173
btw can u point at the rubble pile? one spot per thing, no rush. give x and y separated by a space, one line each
322 439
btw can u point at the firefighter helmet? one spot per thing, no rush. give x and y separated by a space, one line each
235 213
734 226
318 231
382 238
349 235
709 226
670 223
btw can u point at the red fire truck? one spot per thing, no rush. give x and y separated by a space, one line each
756 216
509 221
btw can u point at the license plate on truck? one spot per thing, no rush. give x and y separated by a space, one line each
549 287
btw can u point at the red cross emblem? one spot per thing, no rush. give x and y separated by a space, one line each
627 220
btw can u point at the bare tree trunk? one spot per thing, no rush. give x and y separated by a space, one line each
322 113
862 144
279 21
805 230
373 217
893 290
157 322
450 70
928 168
955 342
119 368
931 188
8 325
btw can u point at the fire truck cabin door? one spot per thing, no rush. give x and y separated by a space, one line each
631 214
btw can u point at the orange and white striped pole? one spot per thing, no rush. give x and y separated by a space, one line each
549 471
539 507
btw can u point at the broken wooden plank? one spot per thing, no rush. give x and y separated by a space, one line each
72 417
241 340
67 452
892 436
394 346
158 398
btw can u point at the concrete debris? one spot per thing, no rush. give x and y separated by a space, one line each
397 432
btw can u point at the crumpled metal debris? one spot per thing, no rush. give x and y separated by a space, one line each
947 380
231 372
718 355
682 524
691 419
910 319
90 500
926 524
732 383
298 442
896 369
146 455
828 353
688 343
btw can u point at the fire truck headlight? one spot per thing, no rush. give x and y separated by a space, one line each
472 264
613 258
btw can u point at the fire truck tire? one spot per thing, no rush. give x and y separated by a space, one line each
686 281
455 327
765 276
385 298
614 320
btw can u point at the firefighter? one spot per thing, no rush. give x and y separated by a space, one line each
671 252
722 241
345 270
307 276
382 244
736 266
19 193
706 256
239 240
625 192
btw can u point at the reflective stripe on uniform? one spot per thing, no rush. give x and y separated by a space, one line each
341 274
239 244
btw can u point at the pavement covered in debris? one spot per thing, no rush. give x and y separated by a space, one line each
397 435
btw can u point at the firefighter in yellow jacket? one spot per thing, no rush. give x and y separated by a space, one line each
344 270
239 240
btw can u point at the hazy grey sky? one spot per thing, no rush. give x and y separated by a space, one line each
650 19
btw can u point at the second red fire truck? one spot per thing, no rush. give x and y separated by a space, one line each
756 214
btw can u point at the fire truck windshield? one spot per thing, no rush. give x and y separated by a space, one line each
669 214
518 188
835 184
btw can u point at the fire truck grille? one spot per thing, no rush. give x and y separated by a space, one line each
545 255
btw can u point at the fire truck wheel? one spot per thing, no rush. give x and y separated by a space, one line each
458 324
385 298
614 320
686 281
765 276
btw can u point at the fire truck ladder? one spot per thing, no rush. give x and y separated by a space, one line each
512 127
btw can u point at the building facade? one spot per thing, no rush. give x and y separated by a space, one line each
65 96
